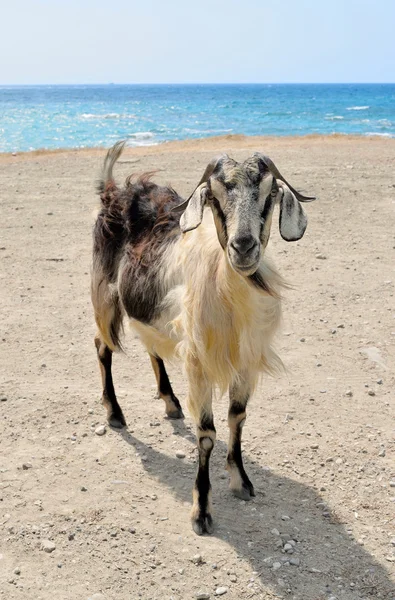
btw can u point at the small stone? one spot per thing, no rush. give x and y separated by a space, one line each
114 533
154 497
379 381
302 339
276 566
3 399
27 466
314 447
382 452
73 438
319 364
392 483
275 531
132 530
349 393
83 489
393 541
197 559
320 256
333 331
294 561
371 392
71 536
286 518
220 591
339 461
341 326
180 454
181 571
17 571
202 596
101 430
288 548
90 411
47 546
233 578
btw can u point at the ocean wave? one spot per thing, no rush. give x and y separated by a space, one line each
141 135
334 118
375 133
87 116
358 107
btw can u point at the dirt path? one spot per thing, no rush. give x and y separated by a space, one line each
319 442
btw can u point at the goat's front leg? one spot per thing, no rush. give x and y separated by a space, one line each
200 405
240 484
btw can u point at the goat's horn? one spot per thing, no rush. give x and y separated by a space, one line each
273 169
205 177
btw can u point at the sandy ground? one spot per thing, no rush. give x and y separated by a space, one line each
318 444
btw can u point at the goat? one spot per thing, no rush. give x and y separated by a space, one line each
195 284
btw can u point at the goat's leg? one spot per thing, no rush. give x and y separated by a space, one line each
114 412
240 484
200 404
165 391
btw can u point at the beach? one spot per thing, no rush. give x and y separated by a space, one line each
318 441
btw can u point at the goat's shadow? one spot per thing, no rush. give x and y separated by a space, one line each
332 562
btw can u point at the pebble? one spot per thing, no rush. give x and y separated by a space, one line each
276 566
47 546
302 339
371 392
233 578
3 399
27 466
392 484
197 559
83 489
286 518
275 531
333 331
382 452
288 548
320 256
294 561
101 430
180 454
17 571
220 591
71 536
349 393
202 596
379 381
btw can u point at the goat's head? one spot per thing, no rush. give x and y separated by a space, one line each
242 197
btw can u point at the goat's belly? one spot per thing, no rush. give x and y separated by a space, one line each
156 341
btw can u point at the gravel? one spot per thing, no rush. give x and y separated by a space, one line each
180 454
202 596
220 591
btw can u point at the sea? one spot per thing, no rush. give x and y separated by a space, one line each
85 116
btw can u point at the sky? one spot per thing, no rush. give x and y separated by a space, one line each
205 41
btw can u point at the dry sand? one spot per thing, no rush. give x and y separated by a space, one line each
318 443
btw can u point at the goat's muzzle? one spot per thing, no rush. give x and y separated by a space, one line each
244 254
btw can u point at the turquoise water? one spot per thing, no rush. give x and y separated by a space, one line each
34 117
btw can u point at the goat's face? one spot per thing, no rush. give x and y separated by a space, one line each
242 197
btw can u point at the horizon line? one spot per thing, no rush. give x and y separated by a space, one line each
110 83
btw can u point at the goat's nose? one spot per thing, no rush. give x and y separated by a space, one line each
243 244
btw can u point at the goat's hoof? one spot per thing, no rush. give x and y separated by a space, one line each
175 414
246 492
203 524
117 421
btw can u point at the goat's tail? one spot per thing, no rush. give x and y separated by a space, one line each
106 183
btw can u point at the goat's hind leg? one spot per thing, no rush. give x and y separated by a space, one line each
165 391
114 412
240 484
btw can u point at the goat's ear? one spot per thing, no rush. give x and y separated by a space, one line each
193 214
293 220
